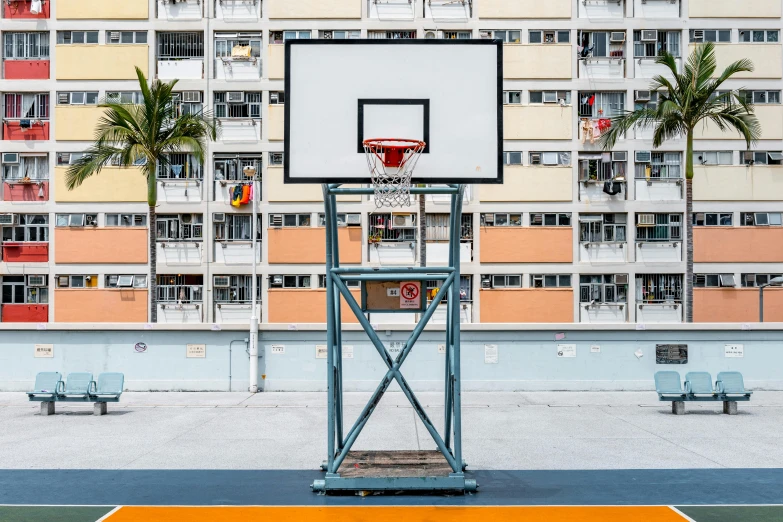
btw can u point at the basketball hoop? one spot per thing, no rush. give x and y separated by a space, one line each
391 163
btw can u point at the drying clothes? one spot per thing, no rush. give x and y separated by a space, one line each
252 192
36 7
604 124
612 188
596 128
240 51
586 130
245 195
236 195
591 100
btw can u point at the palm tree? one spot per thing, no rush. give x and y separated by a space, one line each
144 134
689 98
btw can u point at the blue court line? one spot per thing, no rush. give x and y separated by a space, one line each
292 488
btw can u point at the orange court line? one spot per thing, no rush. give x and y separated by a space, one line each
397 513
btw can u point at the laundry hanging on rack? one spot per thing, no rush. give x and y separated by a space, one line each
240 194
36 7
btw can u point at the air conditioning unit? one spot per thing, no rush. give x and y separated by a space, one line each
63 98
191 96
620 155
327 35
63 281
747 156
138 220
433 35
276 220
646 220
90 221
221 281
10 158
535 159
550 97
642 96
276 280
643 156
403 221
562 96
114 36
8 219
36 280
649 36
486 282
621 279
274 98
187 218
219 217
617 37
235 97
698 35
549 38
353 220
489 218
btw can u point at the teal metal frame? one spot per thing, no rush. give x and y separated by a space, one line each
339 442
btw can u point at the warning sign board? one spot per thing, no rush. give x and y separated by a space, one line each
410 294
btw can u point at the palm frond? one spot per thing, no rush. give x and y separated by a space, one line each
642 118
90 164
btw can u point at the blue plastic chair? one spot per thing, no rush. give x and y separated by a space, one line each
731 387
46 386
698 385
76 387
669 386
108 388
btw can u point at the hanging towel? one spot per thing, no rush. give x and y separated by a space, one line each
252 192
591 100
587 130
596 131
245 195
35 7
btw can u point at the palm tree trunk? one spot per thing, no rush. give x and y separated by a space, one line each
422 230
689 230
152 199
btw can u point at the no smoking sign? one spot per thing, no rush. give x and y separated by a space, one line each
410 294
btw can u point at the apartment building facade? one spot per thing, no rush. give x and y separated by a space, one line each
575 234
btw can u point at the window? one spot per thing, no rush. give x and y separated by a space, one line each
602 228
713 219
512 97
713 280
289 281
549 37
651 44
27 106
343 219
68 158
289 220
662 165
26 46
456 35
278 37
276 159
439 227
175 46
391 35
759 36
20 289
276 98
32 228
179 227
238 105
180 289
226 45
77 37
550 219
125 97
710 35
603 288
651 104
713 158
34 168
550 281
552 159
126 220
76 281
392 228
658 227
235 288
179 166
602 44
125 281
503 36
761 219
230 167
601 104
501 219
505 281
340 35
188 102
513 158
561 97
236 227
465 290
761 97
658 288
349 284
127 37
76 220
756 280
757 157
602 166
77 98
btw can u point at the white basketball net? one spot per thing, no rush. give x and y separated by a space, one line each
391 164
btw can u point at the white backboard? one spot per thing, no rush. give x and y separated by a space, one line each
340 92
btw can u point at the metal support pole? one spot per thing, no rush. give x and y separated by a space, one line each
253 351
330 335
455 328
761 303
338 363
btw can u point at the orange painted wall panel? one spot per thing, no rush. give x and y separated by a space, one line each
308 245
305 306
527 305
100 305
736 305
100 245
738 244
25 313
526 245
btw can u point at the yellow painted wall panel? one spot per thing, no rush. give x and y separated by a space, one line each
276 122
276 62
277 191
107 10
76 122
738 183
113 184
770 118
538 122
546 62
524 9
530 184
101 62
293 9
735 8
767 59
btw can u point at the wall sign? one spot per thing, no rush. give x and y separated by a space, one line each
278 349
671 354
566 350
595 348
347 352
140 347
44 350
197 351
734 350
410 295
441 348
490 354
321 351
